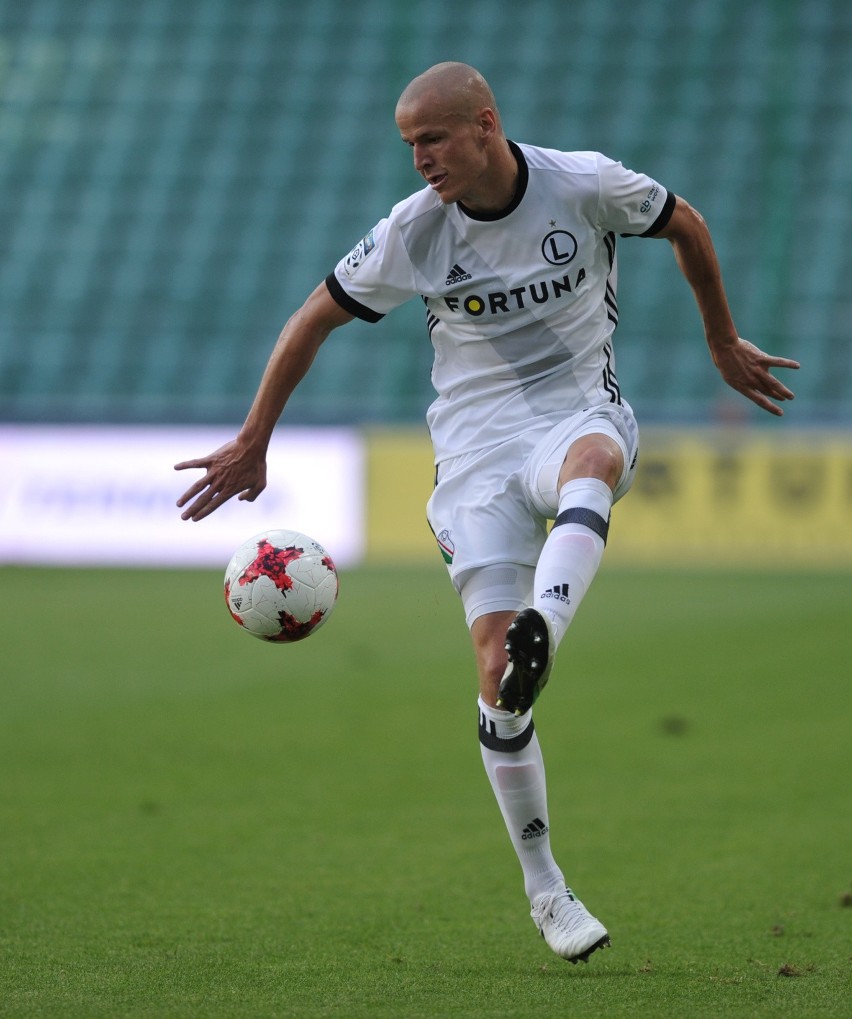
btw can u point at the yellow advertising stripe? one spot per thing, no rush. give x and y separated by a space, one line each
734 499
725 498
400 477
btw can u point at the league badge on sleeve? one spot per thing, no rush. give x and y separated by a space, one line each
357 255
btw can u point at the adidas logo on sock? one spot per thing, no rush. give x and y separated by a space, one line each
457 275
535 829
558 591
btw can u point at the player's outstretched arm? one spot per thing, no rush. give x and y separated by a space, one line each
742 365
239 467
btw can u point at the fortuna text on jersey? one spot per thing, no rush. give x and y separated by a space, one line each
501 301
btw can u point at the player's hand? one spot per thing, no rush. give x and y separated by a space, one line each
746 368
231 470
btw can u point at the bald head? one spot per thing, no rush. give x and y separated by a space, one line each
448 89
448 117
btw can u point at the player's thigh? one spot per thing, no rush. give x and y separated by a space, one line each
615 422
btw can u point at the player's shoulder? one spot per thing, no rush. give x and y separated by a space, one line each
579 162
423 203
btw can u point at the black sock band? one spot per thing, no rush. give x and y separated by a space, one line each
491 741
588 518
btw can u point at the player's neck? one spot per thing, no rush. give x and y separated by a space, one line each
499 185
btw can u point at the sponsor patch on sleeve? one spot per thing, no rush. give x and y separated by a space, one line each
650 199
357 255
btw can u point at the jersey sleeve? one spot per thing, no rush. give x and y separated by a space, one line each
376 276
630 203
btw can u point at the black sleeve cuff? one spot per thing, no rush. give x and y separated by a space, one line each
349 303
661 220
664 216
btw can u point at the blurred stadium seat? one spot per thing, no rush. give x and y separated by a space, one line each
174 178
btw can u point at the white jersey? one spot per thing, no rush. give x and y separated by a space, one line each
521 305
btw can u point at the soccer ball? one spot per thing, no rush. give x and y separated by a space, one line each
281 586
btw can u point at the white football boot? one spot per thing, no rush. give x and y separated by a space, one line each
568 927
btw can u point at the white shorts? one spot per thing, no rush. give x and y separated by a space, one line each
490 508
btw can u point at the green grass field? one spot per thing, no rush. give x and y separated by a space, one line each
193 823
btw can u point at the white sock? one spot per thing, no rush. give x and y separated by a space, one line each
513 762
573 551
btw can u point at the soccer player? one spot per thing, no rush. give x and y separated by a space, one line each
512 248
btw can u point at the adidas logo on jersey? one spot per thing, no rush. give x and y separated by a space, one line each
558 591
535 829
457 275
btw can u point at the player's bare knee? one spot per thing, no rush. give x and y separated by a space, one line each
600 458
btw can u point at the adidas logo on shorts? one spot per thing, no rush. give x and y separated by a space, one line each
457 275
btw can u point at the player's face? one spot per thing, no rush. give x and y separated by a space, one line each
450 153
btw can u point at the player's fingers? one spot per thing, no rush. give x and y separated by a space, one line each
781 392
187 464
762 401
193 491
781 362
774 387
251 494
204 506
196 511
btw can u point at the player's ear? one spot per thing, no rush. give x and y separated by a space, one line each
488 123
